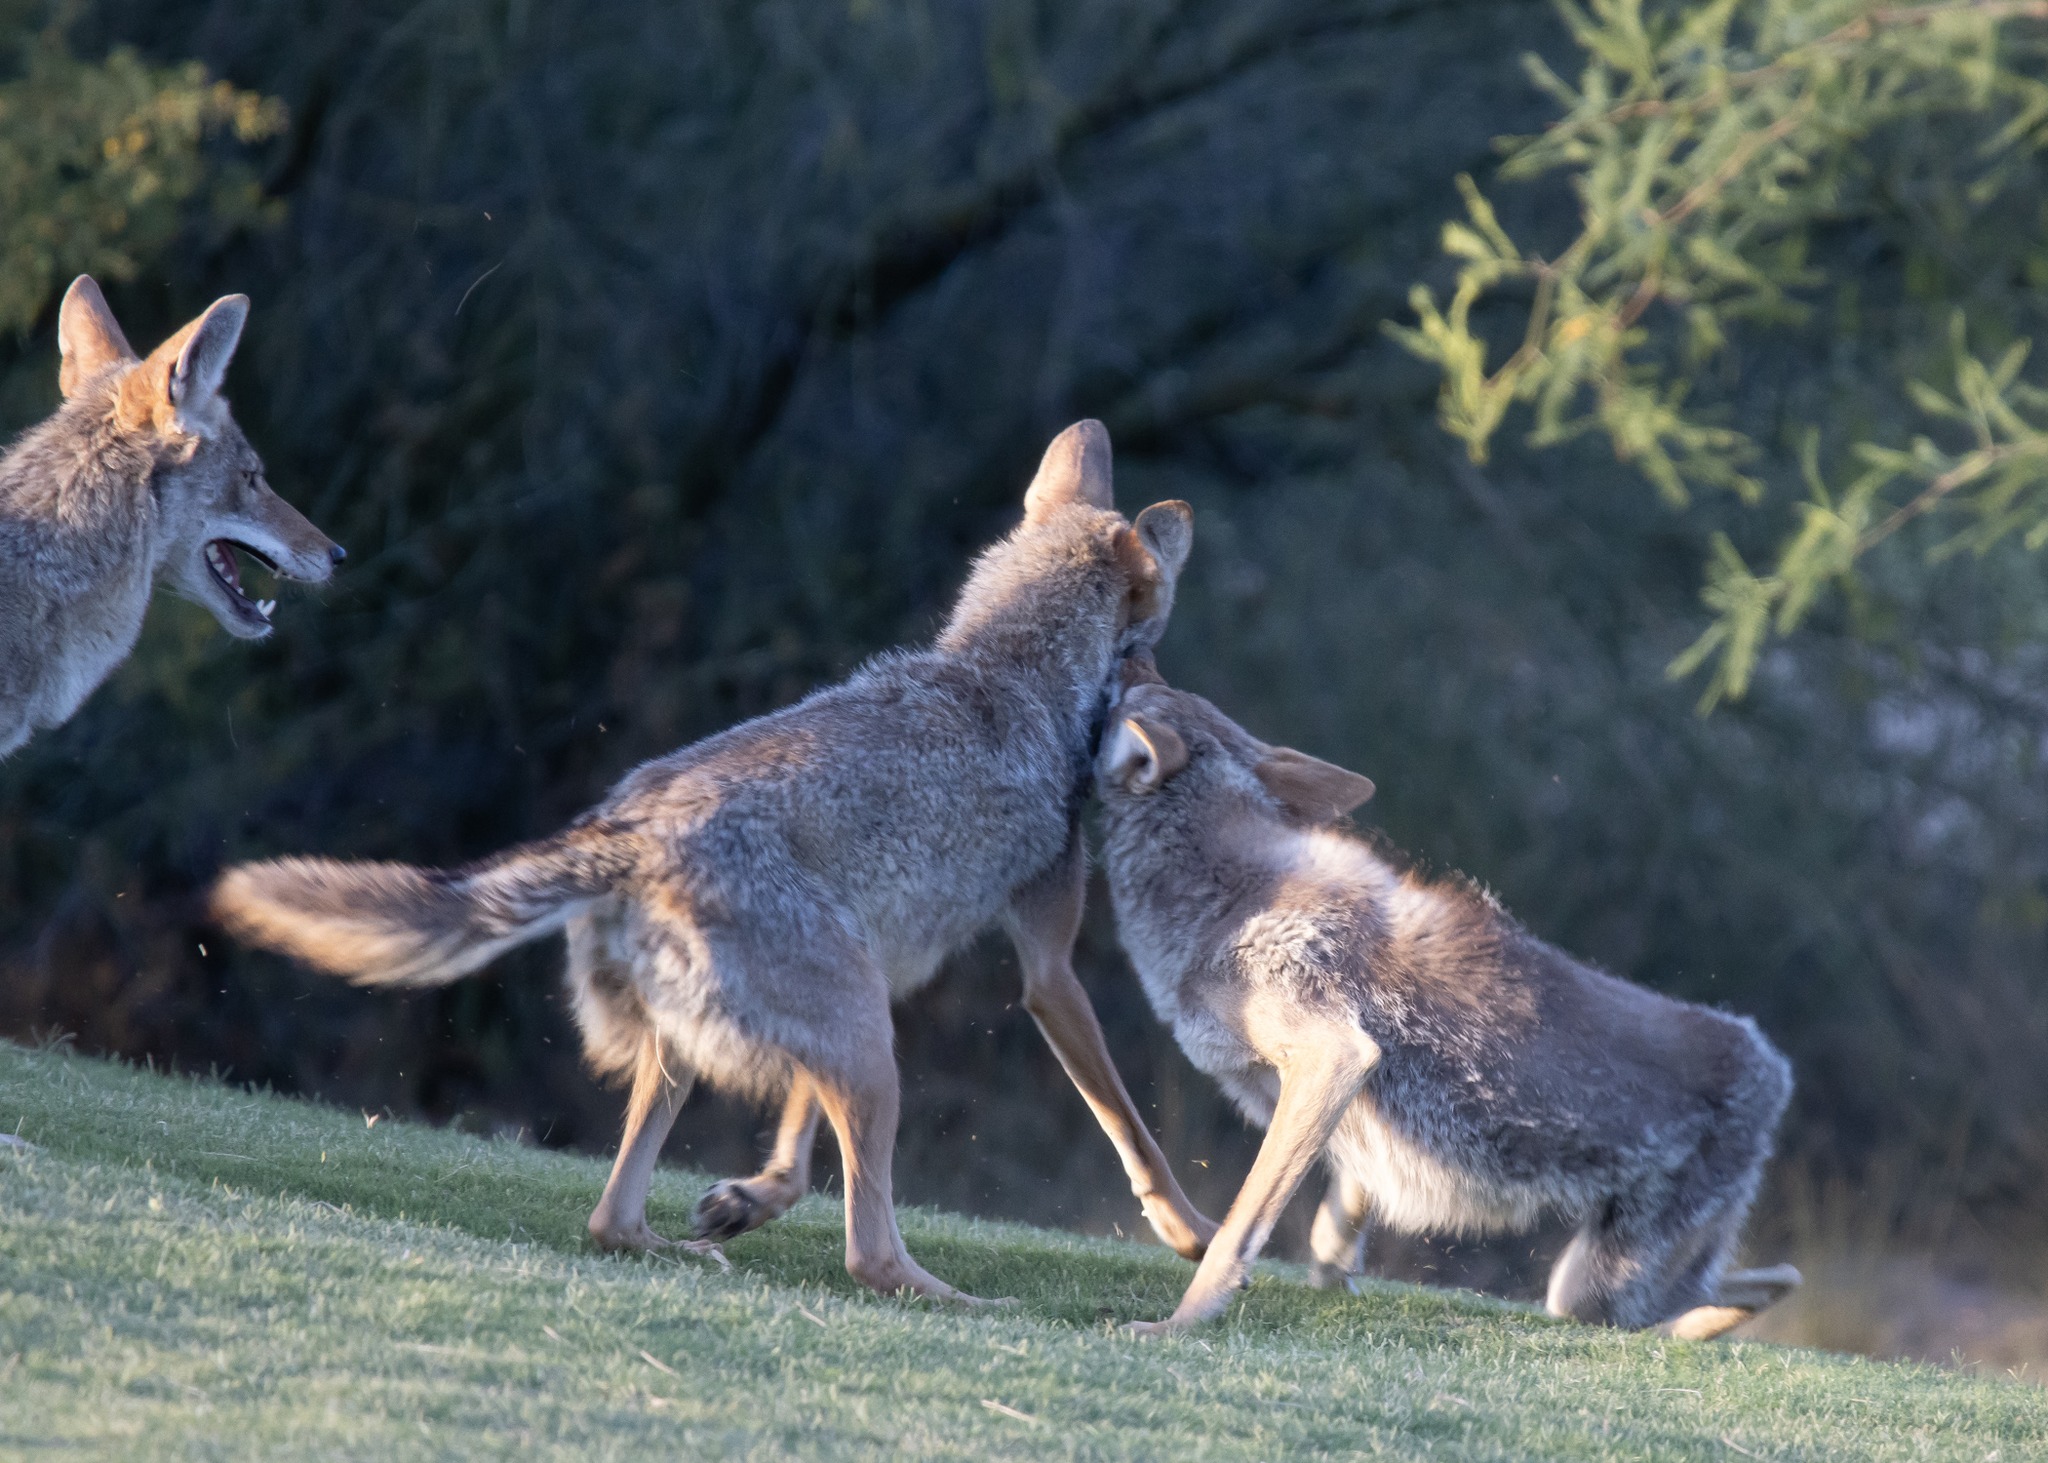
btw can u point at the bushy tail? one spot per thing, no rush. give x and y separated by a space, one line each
395 924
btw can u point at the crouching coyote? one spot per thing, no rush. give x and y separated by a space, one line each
1456 1073
745 909
140 476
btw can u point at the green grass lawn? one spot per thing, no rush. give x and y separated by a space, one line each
187 1270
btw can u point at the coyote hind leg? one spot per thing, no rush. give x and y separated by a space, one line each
1662 1262
731 1207
1657 1253
861 1102
1337 1242
620 1220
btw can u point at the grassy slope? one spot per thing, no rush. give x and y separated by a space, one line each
188 1270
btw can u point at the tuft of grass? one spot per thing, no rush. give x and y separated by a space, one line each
190 1270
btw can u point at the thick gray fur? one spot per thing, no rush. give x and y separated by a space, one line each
1496 1077
124 486
747 908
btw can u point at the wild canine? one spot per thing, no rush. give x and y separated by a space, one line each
1456 1072
140 475
745 909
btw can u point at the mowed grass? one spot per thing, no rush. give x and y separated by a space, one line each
187 1270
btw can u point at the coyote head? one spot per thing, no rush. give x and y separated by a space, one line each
1149 552
1161 740
1075 571
212 501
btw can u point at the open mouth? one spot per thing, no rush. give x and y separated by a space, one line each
227 569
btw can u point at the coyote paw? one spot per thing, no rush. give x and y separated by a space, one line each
704 1249
1703 1323
638 1239
1756 1289
1739 1295
728 1210
628 1239
908 1280
1322 1275
1147 1330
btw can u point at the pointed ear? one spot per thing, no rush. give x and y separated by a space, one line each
184 374
1312 790
1168 531
1141 753
1075 469
89 339
1152 551
209 344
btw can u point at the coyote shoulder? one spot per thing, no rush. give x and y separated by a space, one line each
1455 1072
140 477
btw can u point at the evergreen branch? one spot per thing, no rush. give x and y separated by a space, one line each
1704 192
1849 35
1697 189
1971 468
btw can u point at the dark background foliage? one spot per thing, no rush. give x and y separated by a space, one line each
657 363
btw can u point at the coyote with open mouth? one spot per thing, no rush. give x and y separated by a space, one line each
140 476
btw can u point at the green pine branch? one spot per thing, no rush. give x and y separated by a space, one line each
1703 142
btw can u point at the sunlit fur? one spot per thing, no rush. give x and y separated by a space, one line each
119 490
753 902
1497 1078
747 881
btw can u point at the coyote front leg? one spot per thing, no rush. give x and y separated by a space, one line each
1316 1086
620 1220
733 1206
1043 919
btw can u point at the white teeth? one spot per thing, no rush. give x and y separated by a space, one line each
265 606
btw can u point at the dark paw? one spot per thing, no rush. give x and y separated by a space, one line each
727 1210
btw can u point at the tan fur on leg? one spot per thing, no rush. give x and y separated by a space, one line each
1043 921
620 1220
1703 1323
1740 1295
1337 1240
862 1108
732 1207
1316 1087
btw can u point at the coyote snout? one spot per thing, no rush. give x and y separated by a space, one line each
142 475
233 512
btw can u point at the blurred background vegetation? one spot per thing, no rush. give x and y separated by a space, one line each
657 363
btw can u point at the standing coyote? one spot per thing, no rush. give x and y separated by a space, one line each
745 909
1456 1072
140 475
